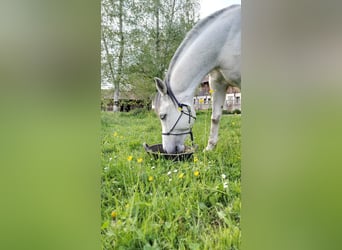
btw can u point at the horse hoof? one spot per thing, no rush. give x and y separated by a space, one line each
209 148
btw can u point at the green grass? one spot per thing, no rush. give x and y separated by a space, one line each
159 204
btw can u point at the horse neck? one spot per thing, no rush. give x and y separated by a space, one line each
187 75
196 57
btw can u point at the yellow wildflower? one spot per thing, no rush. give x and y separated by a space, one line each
211 91
129 158
181 175
195 159
150 178
201 101
114 214
139 160
196 173
115 134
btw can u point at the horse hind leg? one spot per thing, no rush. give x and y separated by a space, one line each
219 87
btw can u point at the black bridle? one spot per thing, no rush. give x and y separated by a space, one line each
182 112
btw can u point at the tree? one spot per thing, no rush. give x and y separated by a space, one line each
139 38
113 16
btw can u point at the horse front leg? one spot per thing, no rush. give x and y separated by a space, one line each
218 98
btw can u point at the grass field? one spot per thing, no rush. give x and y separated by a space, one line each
159 204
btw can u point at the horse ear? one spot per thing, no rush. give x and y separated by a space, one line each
161 86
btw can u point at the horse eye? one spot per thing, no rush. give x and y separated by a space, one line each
162 116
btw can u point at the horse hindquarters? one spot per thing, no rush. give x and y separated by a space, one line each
219 87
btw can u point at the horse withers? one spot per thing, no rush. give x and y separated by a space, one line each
212 47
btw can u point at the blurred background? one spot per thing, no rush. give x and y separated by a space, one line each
50 67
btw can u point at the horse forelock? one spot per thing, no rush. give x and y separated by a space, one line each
157 102
157 98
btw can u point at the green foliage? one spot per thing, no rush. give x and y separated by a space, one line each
235 111
141 112
142 47
159 204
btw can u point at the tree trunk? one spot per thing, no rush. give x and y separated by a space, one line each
116 105
107 55
119 78
157 41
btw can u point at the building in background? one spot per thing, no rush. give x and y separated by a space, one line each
202 98
127 101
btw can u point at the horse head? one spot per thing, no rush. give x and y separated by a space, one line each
176 118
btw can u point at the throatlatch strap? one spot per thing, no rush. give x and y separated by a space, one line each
180 106
192 138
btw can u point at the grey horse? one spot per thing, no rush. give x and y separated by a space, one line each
212 47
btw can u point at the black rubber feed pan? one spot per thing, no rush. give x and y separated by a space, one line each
157 152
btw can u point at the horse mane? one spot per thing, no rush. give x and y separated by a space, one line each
193 32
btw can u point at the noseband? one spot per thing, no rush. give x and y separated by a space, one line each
182 112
